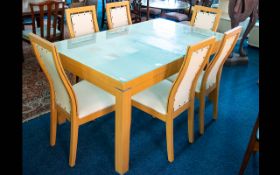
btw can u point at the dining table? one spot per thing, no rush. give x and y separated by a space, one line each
129 59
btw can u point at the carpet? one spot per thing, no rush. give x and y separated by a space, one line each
218 152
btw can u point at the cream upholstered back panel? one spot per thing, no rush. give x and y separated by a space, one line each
119 16
204 20
182 95
61 96
82 23
211 80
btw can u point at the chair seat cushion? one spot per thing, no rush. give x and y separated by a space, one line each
153 11
176 16
25 33
91 99
155 97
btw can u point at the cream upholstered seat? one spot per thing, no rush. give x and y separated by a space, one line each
80 103
167 100
118 14
155 97
81 20
91 99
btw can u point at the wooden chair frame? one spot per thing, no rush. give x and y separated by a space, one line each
76 10
114 5
253 147
40 19
58 114
198 8
171 114
213 91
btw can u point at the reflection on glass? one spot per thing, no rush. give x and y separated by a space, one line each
81 41
117 32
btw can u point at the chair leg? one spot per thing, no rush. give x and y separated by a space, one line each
191 123
247 155
61 118
201 113
53 125
73 143
214 97
169 139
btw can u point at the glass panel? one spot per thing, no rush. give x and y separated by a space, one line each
128 52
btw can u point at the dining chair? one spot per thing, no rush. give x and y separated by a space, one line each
253 147
205 17
47 20
118 14
167 100
79 104
103 18
81 20
208 83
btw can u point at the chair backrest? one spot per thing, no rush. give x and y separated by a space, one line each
61 90
81 20
118 14
206 17
214 69
54 11
183 89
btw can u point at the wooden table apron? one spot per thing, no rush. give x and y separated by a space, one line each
123 92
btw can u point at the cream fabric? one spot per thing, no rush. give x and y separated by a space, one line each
91 99
211 80
199 81
182 95
82 23
155 97
61 96
204 20
119 17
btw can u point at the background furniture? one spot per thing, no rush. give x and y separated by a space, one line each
253 147
47 20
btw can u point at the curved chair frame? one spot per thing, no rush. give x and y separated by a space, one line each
198 8
58 114
77 10
213 91
109 6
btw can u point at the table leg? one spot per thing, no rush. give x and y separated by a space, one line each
122 131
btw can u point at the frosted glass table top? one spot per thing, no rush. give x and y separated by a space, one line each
128 52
